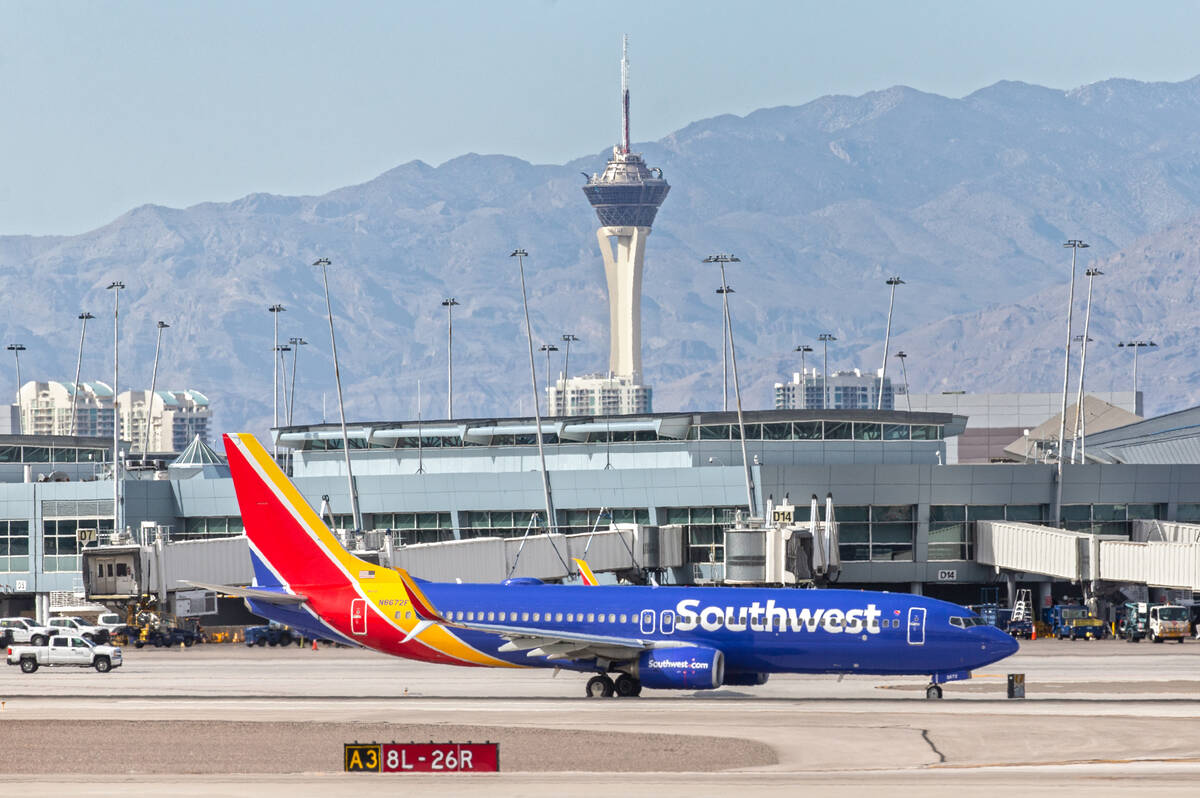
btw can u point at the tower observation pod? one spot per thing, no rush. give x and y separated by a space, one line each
626 197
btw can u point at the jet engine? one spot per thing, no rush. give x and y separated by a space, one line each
685 668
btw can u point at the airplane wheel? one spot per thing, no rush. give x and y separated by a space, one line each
933 691
599 687
626 686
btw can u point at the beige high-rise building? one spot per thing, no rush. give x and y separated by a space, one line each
45 408
599 396
175 418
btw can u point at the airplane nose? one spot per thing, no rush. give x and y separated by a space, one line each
1002 644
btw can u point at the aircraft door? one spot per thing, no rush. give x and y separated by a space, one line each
358 616
666 622
647 622
916 626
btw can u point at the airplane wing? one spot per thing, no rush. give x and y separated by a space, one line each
258 594
538 642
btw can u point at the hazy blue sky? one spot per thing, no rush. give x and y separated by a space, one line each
110 105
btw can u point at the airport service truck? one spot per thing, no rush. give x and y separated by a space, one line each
65 650
1168 622
1075 622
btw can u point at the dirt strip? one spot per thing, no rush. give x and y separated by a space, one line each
212 747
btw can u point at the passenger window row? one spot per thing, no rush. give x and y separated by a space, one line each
535 617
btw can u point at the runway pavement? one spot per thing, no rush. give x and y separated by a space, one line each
1101 717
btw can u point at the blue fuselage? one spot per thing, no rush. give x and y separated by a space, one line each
759 630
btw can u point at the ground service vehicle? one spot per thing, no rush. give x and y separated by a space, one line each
1168 622
165 636
25 631
671 638
65 650
273 634
1136 621
110 621
1074 622
77 625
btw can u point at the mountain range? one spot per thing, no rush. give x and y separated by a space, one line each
968 200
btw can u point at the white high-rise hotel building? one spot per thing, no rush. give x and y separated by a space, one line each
56 408
626 197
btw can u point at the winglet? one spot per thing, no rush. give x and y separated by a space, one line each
585 572
421 605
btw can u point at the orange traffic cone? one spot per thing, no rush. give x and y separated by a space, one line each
1033 634
314 644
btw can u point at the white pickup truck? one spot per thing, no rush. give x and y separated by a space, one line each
26 631
65 650
74 625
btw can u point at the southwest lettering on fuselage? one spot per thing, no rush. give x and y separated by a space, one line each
771 618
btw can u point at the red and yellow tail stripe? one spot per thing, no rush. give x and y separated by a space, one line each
421 605
585 571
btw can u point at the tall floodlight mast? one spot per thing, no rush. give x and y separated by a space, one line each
83 319
1074 245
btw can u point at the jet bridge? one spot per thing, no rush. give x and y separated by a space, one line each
1091 559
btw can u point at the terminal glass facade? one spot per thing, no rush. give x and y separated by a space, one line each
876 532
410 528
574 522
219 527
1109 519
14 545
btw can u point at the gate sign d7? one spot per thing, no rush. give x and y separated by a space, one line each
422 757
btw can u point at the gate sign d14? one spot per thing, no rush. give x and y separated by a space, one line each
422 757
784 514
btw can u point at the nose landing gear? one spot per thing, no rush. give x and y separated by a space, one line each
933 691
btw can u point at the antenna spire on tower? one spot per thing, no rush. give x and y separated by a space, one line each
625 94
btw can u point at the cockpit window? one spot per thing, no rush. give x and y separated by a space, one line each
963 623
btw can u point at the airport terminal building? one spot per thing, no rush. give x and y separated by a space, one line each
906 518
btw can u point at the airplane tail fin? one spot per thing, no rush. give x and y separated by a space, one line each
289 542
585 571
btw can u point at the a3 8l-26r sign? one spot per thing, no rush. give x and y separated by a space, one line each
422 757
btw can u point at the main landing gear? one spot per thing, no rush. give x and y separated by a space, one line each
602 686
933 691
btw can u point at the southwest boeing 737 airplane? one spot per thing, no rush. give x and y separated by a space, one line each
628 637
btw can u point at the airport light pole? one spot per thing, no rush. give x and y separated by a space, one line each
825 338
116 286
275 309
295 343
283 349
1074 245
356 517
904 368
1135 345
567 339
449 304
17 349
548 348
724 291
721 259
162 325
803 349
887 335
83 319
551 521
1080 423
